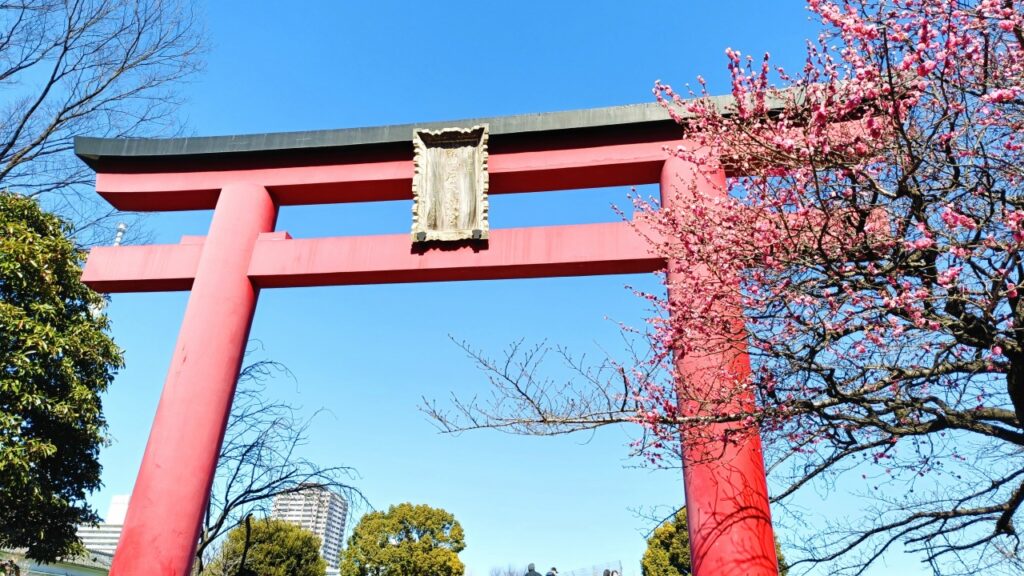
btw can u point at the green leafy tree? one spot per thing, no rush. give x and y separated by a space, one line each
55 361
407 540
668 550
269 547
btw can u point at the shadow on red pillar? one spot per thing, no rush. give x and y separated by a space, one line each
726 492
171 491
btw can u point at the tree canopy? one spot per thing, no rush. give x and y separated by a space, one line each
102 68
270 547
55 361
407 540
870 245
668 550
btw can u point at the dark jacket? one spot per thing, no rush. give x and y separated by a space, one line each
533 573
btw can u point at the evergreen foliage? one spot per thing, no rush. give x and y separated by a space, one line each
55 361
407 540
270 547
668 550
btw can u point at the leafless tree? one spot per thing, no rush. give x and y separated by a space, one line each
260 459
509 570
906 496
525 399
105 68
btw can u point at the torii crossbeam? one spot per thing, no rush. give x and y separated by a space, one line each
246 178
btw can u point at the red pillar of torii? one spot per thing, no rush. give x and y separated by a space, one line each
246 178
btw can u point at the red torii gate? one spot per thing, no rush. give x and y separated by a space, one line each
246 178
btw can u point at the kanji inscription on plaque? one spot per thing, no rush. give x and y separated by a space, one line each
449 185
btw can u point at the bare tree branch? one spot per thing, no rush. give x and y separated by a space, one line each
86 67
260 459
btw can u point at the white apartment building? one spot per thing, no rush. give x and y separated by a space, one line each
320 511
104 537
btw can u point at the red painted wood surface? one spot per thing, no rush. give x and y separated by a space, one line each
171 492
277 262
583 166
579 250
726 493
152 268
730 522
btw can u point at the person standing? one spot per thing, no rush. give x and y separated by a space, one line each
552 572
530 570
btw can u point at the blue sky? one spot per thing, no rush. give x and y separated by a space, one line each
368 354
